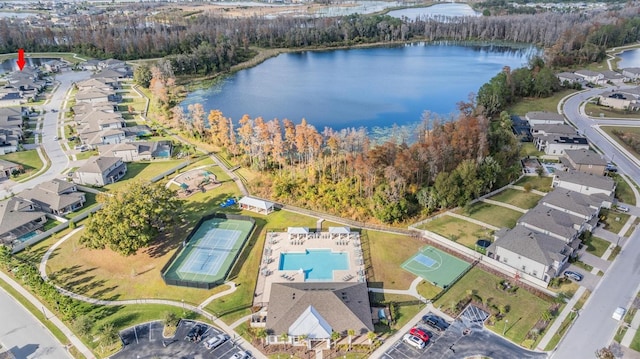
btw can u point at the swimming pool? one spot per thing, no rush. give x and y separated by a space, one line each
317 264
163 153
26 237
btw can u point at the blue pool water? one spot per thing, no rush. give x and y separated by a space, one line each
163 153
27 236
318 264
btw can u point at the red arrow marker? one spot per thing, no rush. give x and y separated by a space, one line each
21 61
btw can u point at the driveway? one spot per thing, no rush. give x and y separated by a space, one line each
146 341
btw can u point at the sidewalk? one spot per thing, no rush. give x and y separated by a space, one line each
55 320
561 317
631 332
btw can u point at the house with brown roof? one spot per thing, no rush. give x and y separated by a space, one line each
309 312
19 217
100 171
7 168
584 160
56 196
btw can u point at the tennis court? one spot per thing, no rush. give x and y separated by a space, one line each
435 266
210 252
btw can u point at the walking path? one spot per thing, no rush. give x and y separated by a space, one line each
412 291
505 205
539 193
631 332
561 317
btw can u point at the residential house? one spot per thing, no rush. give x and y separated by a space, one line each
555 145
613 77
9 140
87 107
94 95
585 183
553 129
543 117
569 78
7 168
56 196
12 117
90 65
11 98
137 151
308 313
94 84
632 73
591 76
100 171
619 101
577 204
584 160
553 222
19 217
112 74
531 252
54 65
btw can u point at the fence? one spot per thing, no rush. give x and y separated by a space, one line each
205 285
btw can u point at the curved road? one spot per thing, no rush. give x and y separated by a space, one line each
594 328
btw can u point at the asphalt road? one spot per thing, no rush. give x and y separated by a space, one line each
25 336
59 160
594 328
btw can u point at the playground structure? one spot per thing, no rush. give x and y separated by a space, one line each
195 180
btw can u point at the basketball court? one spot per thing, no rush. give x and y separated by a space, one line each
435 266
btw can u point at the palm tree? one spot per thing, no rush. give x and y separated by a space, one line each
284 337
335 336
303 337
350 333
371 336
261 334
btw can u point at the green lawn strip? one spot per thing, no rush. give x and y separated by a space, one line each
386 263
583 265
635 130
85 155
143 171
632 227
528 149
567 322
520 199
635 343
67 56
28 159
406 308
458 230
549 104
622 328
37 312
492 214
525 309
624 193
428 290
542 184
594 110
613 220
50 224
597 246
614 253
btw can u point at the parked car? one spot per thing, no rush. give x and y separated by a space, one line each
618 314
216 341
56 138
195 334
413 341
241 355
623 208
418 332
573 275
435 322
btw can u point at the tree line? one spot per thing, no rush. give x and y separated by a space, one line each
208 44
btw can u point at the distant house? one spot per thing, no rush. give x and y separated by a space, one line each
19 217
591 76
613 77
569 78
137 151
531 252
585 183
12 117
94 84
256 205
632 73
556 145
310 312
618 101
90 65
94 95
9 140
88 107
553 129
584 160
7 168
100 171
54 65
56 196
543 117
11 98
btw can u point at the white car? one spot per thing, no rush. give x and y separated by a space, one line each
216 341
618 314
413 341
623 209
241 355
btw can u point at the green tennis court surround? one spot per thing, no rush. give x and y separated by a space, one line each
206 256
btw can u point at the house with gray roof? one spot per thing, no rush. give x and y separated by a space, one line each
7 168
613 77
12 117
94 84
137 151
543 117
577 204
632 73
19 217
9 140
553 222
569 78
534 253
553 129
309 312
100 171
56 196
584 160
95 95
585 183
620 100
256 205
591 76
555 145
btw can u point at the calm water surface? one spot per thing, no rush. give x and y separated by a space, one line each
629 58
376 87
454 10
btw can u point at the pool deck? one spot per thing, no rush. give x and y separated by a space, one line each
280 242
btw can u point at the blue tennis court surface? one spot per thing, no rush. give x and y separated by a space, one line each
422 259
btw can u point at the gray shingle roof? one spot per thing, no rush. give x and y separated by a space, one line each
533 245
544 115
98 164
16 212
586 179
343 305
554 128
552 220
574 201
585 157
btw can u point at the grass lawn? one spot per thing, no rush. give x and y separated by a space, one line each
632 130
525 308
86 154
386 263
406 305
143 171
613 219
492 214
542 184
529 149
635 343
521 199
458 230
28 159
624 193
597 246
632 227
68 56
538 104
614 253
595 110
428 290
583 265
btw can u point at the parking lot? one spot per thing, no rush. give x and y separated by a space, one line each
465 337
146 341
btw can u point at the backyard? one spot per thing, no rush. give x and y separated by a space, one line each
521 199
542 184
457 230
613 220
143 171
529 104
524 308
386 263
596 246
489 213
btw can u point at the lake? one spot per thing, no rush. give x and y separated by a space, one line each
629 58
10 64
373 87
453 10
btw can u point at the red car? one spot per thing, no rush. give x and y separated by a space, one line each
417 332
